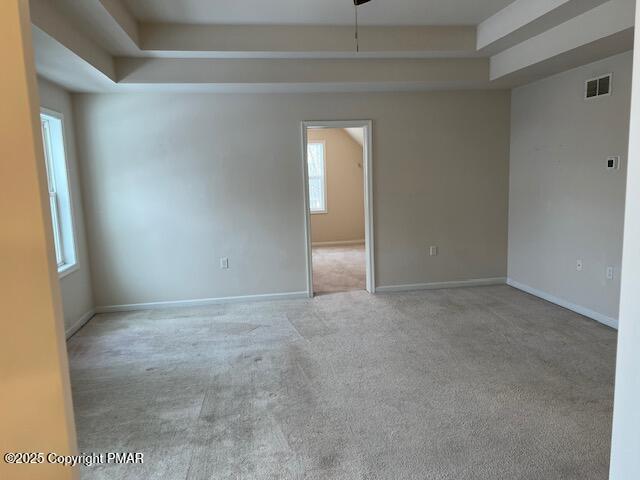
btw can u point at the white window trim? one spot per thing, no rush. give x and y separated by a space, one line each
52 190
324 165
66 268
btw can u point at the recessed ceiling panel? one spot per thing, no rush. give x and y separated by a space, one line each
316 12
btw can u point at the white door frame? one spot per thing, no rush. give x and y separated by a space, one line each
368 195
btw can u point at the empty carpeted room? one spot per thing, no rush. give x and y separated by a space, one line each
338 239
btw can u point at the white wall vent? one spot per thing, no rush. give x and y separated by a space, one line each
598 87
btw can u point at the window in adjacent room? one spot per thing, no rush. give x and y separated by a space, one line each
317 177
58 186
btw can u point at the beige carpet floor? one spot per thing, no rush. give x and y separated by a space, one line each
464 384
338 269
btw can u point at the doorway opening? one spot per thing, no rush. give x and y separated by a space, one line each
337 165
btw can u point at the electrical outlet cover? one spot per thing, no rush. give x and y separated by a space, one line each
609 273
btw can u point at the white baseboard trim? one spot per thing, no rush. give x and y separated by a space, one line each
598 317
479 282
338 243
201 302
69 332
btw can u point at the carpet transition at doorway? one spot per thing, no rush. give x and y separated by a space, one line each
338 269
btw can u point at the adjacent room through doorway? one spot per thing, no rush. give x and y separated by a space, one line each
335 161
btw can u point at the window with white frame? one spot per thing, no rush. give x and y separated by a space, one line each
58 186
317 177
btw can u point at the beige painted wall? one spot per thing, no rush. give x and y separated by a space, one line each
173 182
77 294
564 204
35 395
344 219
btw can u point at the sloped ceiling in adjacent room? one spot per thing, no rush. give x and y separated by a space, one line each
357 134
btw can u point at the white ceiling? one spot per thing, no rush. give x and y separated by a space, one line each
96 45
316 12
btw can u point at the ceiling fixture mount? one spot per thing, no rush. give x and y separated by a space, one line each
356 4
